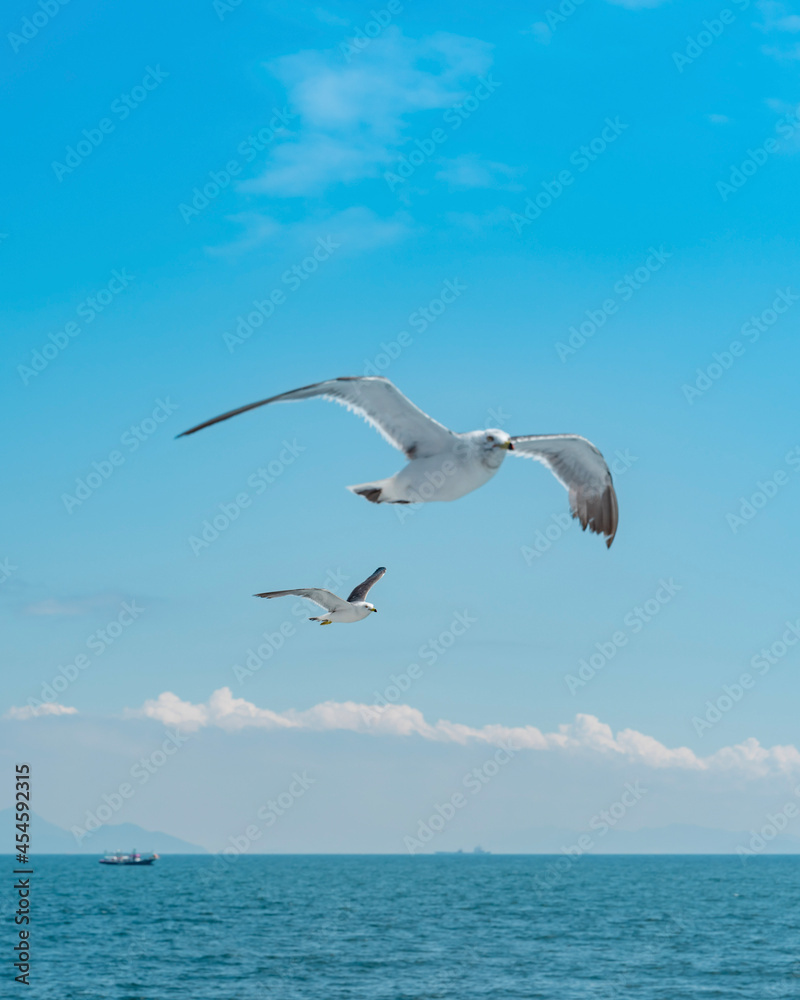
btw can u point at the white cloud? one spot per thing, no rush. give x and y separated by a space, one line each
355 229
354 116
258 229
172 711
470 171
777 17
310 165
586 734
541 32
21 713
480 223
793 52
328 18
55 606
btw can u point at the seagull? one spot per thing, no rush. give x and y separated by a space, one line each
445 465
339 611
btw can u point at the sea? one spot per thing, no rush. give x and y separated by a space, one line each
435 927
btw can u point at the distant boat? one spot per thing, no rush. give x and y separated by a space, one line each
134 858
476 850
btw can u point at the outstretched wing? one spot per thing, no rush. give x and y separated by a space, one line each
380 403
324 598
361 591
578 465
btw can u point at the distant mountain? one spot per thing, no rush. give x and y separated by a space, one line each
47 838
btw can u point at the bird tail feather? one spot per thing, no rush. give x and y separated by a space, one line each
374 492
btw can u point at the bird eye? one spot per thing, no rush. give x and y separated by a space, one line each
490 438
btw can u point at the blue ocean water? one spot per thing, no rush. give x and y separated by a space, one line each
416 928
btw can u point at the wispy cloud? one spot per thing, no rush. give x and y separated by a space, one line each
57 606
24 712
257 229
540 31
778 18
355 229
326 17
354 117
782 52
470 171
585 734
478 223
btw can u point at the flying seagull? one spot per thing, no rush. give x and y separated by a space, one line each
445 465
337 610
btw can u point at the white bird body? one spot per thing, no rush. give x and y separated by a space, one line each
463 467
338 611
355 612
444 465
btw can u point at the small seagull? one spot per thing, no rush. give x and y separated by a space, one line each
445 465
339 611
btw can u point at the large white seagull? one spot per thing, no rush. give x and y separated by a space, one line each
445 465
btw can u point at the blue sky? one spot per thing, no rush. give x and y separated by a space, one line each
624 166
